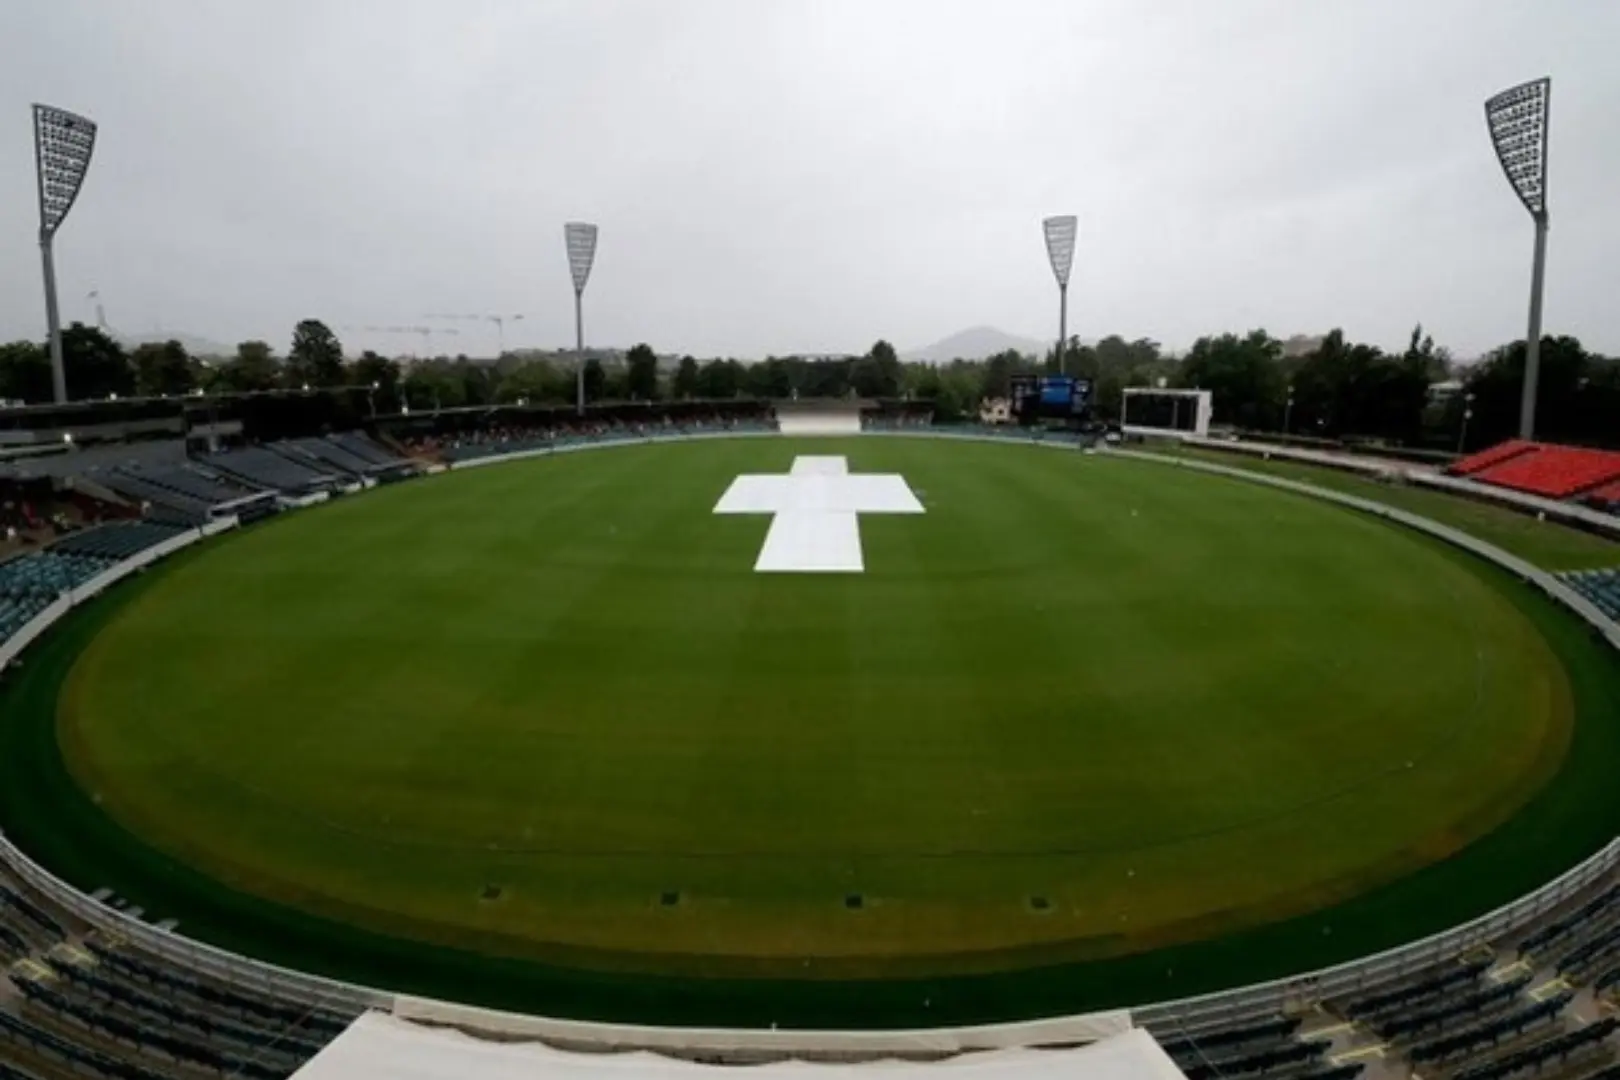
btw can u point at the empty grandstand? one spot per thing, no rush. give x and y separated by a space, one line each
1602 587
1546 469
264 468
72 1001
29 583
188 492
352 455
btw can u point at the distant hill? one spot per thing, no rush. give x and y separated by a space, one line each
976 343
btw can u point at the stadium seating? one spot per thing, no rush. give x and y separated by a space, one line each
151 496
1538 1054
1482 1036
1602 587
1607 981
102 1010
366 449
183 988
1495 455
266 469
1450 1010
117 541
329 456
1555 472
20 1032
111 993
31 912
1551 936
1190 1046
1590 951
1424 988
28 584
1290 1053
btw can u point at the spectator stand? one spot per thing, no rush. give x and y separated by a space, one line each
295 484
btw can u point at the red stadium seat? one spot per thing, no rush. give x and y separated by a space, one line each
1556 472
1496 455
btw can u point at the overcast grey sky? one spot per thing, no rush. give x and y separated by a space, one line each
809 175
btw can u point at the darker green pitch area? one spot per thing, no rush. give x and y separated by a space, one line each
1566 820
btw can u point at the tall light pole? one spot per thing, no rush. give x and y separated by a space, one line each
1517 119
63 143
1060 234
581 240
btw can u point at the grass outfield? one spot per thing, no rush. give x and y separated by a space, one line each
1221 732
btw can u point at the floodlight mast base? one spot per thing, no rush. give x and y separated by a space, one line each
579 351
53 321
1532 341
1063 327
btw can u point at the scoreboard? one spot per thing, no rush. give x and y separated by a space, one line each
1050 397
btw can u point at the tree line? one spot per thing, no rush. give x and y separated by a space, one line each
1334 389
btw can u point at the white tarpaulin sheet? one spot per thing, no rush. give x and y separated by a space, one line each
379 1046
815 527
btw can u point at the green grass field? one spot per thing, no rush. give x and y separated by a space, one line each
1101 719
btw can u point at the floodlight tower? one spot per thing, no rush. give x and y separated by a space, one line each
581 240
63 143
1517 119
1060 234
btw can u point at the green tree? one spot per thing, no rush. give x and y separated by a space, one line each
998 371
25 372
878 374
686 378
162 368
641 376
254 367
95 364
316 356
595 380
1244 374
1577 400
720 379
536 382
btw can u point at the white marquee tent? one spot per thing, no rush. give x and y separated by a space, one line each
379 1045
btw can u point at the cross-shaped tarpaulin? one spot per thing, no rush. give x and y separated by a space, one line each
816 527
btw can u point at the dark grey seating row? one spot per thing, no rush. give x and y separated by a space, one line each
1538 1054
1483 1036
1205 1041
17 1030
1448 978
1450 1010
141 490
277 1013
144 1037
367 449
1559 930
267 469
202 1022
117 541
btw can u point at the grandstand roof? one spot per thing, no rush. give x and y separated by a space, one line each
380 1045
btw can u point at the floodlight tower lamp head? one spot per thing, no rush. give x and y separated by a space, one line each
1518 122
581 240
63 145
1060 237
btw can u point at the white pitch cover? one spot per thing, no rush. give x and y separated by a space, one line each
815 526
382 1047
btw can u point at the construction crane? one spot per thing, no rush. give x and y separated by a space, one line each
500 322
101 314
427 333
